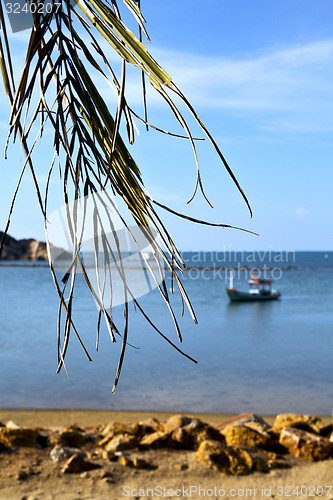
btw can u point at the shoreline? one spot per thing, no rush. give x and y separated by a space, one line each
88 417
28 473
65 417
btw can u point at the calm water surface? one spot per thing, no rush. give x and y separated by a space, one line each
262 357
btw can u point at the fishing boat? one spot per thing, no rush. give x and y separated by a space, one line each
259 289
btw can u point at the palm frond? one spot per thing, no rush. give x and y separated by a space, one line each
58 87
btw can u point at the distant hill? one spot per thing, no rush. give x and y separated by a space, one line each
29 249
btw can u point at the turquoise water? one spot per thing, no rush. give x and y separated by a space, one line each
262 357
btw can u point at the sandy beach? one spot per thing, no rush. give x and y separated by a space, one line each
176 473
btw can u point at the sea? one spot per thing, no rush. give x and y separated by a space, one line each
266 358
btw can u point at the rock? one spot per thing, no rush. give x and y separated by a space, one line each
177 421
150 425
251 421
263 460
77 464
259 427
209 432
195 425
122 454
122 442
107 477
72 437
187 432
156 440
12 425
243 435
305 444
277 462
21 475
29 249
95 454
3 447
214 455
134 429
43 441
305 422
326 430
125 461
228 460
23 436
26 249
137 463
140 463
110 456
273 438
192 435
241 461
260 465
114 428
59 453
245 419
105 474
238 460
183 438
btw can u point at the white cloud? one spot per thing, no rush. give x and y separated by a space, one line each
255 81
295 83
288 90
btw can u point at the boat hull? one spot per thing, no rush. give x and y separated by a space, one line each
237 296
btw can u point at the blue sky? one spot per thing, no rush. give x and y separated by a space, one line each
260 75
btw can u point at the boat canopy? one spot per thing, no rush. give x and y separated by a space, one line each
261 281
260 285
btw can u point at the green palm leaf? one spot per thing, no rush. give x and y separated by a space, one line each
60 68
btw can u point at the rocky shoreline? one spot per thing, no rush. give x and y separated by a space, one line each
112 459
25 249
239 446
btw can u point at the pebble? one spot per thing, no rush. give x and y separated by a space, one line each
59 453
21 475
